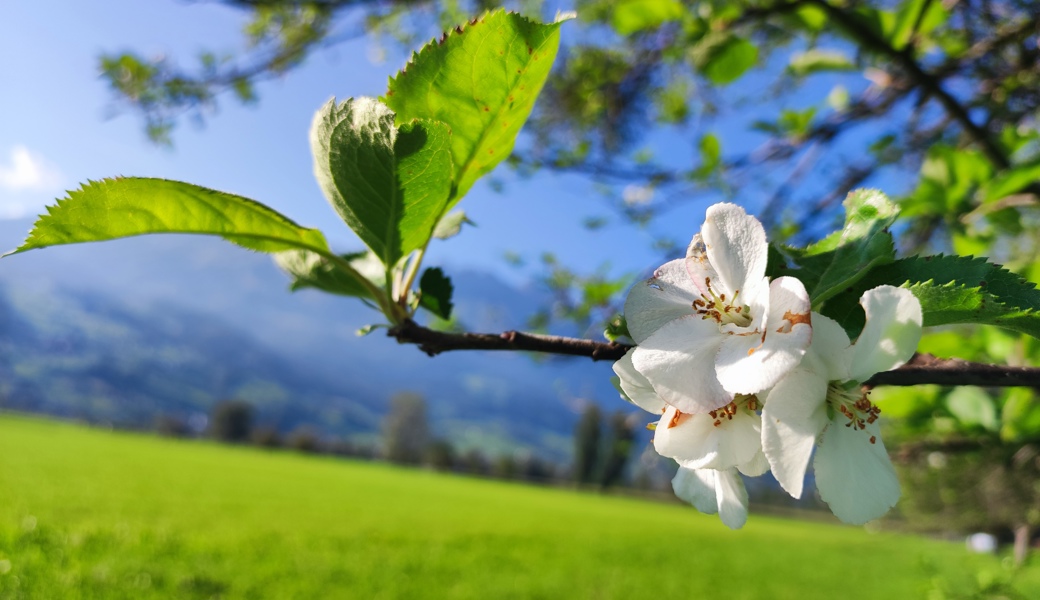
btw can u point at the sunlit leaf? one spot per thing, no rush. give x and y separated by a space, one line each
633 16
724 62
451 225
125 207
390 185
952 289
817 60
481 79
311 270
836 262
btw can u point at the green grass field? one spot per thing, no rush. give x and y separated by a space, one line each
92 514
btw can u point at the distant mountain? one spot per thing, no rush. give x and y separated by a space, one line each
128 330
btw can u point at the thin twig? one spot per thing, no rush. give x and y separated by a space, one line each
922 368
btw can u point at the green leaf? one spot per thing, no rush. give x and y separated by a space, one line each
952 289
836 262
728 59
481 79
311 270
711 155
124 207
633 16
817 60
1020 415
1011 181
391 185
973 407
451 225
915 16
435 291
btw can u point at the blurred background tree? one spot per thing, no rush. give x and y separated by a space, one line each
232 421
406 430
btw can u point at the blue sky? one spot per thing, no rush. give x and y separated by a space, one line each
57 132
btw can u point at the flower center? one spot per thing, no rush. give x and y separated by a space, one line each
854 404
715 306
740 401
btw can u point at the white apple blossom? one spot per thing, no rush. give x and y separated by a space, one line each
712 325
711 491
712 448
820 403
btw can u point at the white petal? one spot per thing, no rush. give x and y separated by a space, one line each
758 465
732 498
696 487
748 364
697 443
679 361
795 413
736 246
855 477
891 334
668 295
829 351
635 388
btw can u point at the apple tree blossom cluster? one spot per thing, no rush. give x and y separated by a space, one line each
748 379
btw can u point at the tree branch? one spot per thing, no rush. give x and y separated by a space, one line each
922 368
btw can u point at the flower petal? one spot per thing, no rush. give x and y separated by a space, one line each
697 443
732 498
829 351
891 334
756 466
748 364
736 246
696 486
679 361
794 414
855 477
635 388
666 296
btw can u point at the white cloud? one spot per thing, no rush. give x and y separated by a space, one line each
30 182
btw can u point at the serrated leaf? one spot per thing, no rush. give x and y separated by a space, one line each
451 225
952 289
435 291
481 80
836 262
389 184
311 270
633 16
124 207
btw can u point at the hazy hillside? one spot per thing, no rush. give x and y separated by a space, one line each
131 329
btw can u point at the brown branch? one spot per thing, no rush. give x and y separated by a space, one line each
928 82
434 342
922 368
925 368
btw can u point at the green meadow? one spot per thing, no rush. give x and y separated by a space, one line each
86 513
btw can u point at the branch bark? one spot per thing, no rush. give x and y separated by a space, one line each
922 368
